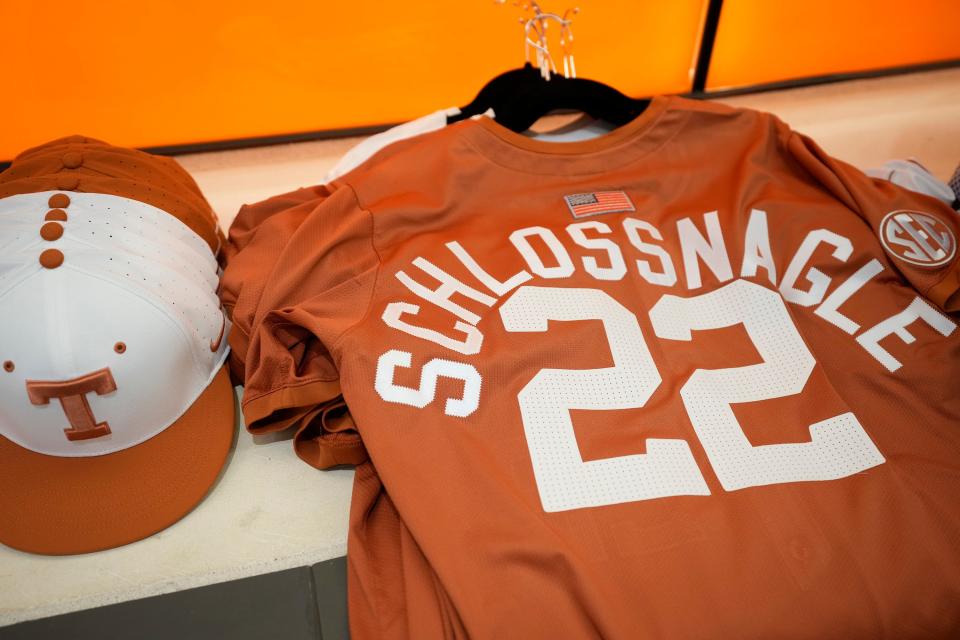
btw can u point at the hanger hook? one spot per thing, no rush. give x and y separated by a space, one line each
535 31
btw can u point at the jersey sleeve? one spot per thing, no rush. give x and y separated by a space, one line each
936 228
300 273
251 252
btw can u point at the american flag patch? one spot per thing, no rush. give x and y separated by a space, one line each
583 205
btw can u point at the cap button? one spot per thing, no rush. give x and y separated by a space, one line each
72 159
51 258
68 181
51 231
59 201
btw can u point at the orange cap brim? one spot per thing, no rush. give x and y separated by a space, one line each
57 506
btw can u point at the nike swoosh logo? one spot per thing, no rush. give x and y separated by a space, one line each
215 344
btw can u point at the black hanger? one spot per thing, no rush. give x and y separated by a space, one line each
507 83
519 111
521 97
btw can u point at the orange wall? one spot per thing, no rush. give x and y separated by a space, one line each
765 41
179 71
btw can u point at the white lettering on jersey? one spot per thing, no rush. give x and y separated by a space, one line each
695 247
829 308
468 347
499 288
818 280
565 481
756 248
564 267
839 446
425 394
547 257
897 324
667 275
449 285
617 268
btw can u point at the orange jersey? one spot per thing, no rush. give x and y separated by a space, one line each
691 379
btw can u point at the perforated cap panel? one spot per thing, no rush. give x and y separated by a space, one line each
135 293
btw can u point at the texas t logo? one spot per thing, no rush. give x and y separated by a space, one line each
72 395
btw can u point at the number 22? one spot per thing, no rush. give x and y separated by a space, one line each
839 446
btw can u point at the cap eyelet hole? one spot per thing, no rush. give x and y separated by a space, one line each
120 347
8 366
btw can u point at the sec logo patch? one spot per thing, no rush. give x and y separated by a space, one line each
917 238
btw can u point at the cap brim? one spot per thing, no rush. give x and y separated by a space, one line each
55 505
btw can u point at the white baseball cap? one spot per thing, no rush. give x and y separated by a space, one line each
116 410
